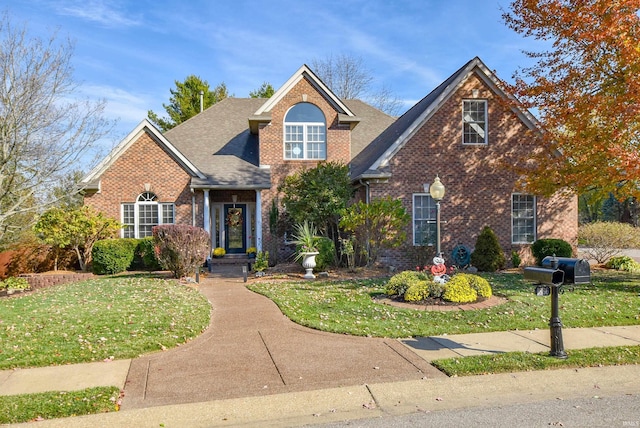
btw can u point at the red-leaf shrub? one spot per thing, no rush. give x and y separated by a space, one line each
181 248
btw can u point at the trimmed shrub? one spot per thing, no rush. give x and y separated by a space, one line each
180 248
458 290
419 290
487 255
399 283
327 250
478 283
145 255
111 256
604 239
625 263
548 247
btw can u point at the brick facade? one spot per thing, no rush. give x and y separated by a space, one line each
272 147
145 166
478 184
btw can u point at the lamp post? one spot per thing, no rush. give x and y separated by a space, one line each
436 190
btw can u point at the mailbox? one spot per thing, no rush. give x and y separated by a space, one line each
543 275
576 271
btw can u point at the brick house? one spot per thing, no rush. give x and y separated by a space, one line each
220 170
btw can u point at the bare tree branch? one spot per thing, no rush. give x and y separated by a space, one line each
349 78
44 130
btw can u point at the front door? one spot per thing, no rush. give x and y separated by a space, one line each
235 218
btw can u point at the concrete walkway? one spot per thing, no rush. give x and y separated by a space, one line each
254 366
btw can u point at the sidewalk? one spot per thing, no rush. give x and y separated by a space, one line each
80 376
253 366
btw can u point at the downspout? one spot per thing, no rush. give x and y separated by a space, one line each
193 209
366 192
367 198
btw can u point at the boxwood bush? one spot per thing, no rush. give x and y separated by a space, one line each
113 255
548 247
145 255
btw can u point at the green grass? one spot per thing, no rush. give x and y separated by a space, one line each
347 307
50 405
116 317
522 361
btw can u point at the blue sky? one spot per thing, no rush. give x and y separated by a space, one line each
131 52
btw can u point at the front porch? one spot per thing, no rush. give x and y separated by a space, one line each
233 220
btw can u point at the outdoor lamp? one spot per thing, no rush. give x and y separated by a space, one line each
436 190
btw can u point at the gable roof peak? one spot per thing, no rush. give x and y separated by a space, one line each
377 155
144 126
305 72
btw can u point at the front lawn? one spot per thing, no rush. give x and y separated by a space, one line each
104 318
524 361
58 404
347 306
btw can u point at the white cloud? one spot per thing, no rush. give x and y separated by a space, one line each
105 13
127 108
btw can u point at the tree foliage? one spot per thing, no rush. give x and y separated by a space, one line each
586 87
266 90
349 78
78 229
45 130
317 195
379 224
184 102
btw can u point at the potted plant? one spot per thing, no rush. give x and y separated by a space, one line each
305 237
251 252
218 252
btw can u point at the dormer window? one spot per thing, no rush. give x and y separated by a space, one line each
474 122
305 133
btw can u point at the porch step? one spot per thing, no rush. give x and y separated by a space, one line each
230 259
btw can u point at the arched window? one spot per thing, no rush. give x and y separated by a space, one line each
305 133
140 217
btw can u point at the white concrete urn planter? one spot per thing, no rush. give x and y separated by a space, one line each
309 262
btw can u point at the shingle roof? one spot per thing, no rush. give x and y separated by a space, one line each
219 143
373 160
372 123
363 165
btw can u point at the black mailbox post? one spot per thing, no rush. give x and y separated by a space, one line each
555 272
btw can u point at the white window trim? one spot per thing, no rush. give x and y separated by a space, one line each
486 122
305 140
535 220
136 214
413 219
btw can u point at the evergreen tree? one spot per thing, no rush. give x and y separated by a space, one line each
185 101
488 255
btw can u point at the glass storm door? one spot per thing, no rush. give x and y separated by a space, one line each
235 217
